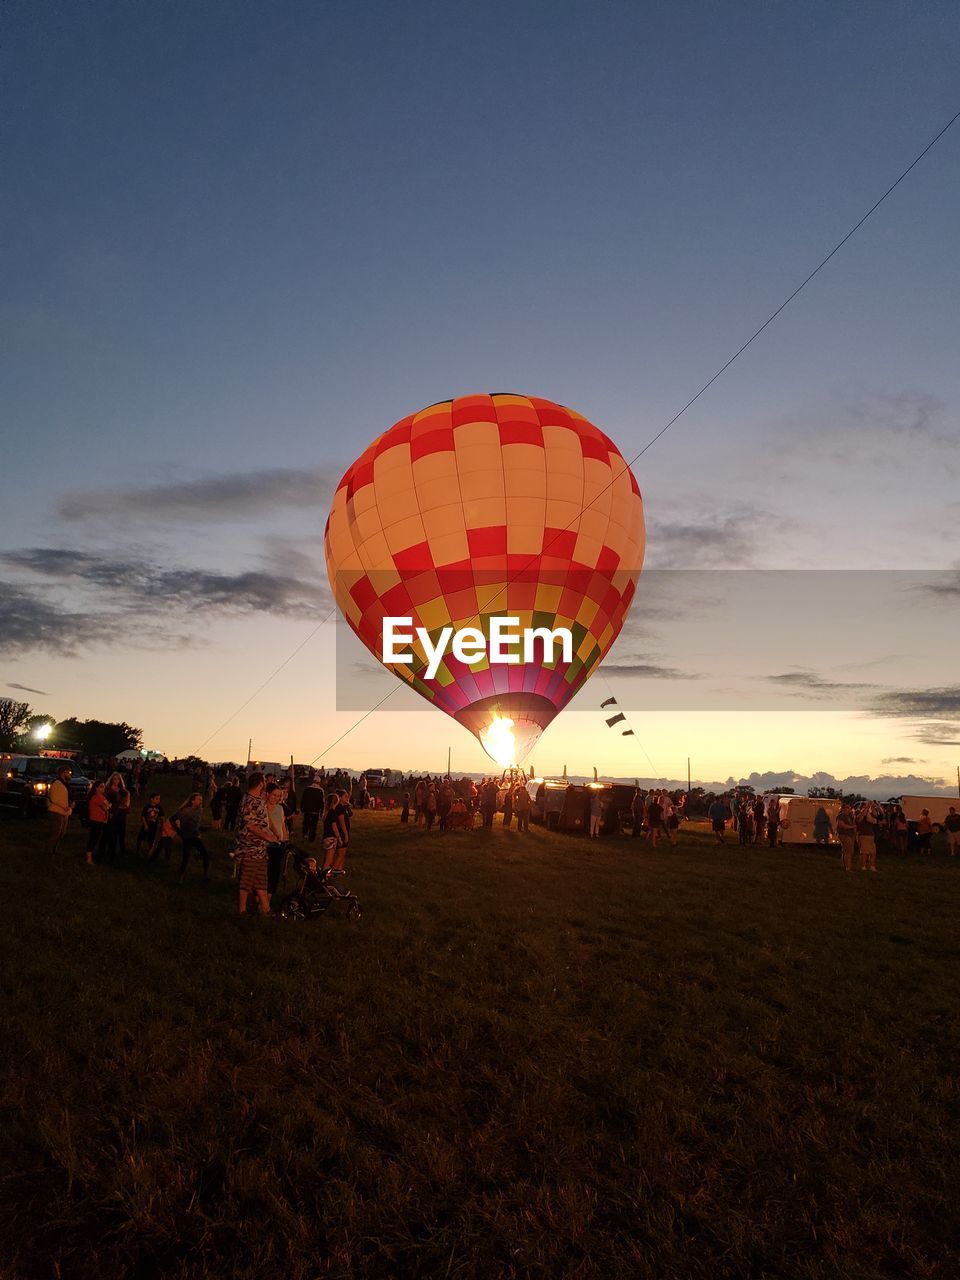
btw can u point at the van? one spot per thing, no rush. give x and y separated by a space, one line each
798 816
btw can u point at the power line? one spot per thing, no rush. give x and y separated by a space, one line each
272 676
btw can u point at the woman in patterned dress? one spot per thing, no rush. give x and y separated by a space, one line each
253 836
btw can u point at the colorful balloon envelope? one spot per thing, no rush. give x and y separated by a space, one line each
490 506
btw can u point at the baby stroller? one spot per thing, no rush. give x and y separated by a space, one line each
316 892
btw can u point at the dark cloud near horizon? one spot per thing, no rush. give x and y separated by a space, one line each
920 704
143 582
25 688
938 733
27 621
711 541
900 760
229 497
139 600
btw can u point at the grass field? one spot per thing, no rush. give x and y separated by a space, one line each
535 1056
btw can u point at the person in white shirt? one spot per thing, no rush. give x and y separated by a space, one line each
59 806
277 821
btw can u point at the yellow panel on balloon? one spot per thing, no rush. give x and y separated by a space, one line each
547 598
434 614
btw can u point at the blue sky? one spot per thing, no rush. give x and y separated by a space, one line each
241 241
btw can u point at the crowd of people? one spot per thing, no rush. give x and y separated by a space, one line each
261 811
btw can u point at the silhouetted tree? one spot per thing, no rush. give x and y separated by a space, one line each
97 737
13 718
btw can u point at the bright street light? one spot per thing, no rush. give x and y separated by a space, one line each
43 731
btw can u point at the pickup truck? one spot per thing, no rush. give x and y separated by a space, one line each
25 781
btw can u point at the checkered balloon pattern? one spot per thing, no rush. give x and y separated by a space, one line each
482 506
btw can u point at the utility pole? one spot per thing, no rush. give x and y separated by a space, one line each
249 749
448 761
688 780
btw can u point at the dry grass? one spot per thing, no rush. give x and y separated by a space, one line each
535 1056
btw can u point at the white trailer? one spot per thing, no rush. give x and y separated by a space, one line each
798 815
937 806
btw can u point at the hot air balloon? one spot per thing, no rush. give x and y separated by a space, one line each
484 506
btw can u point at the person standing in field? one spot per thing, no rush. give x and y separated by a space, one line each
430 806
901 831
654 818
488 802
151 817
312 804
232 799
98 814
671 819
59 806
277 822
759 821
115 837
847 835
951 824
924 831
773 821
334 831
186 822
637 807
521 807
345 810
596 814
717 813
867 837
253 836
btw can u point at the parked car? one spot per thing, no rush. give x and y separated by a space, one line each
376 778
25 781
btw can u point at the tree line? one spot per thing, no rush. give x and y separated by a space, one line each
19 725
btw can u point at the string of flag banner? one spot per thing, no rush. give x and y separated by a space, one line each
618 718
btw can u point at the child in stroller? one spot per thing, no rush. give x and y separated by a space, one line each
317 890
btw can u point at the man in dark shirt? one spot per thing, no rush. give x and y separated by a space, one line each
312 804
232 797
151 816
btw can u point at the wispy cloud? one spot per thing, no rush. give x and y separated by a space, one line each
920 704
901 760
871 429
27 621
25 688
215 498
134 598
729 540
938 734
809 684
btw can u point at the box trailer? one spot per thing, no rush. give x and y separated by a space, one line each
937 806
798 815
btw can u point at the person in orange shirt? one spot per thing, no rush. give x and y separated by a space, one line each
924 831
98 814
